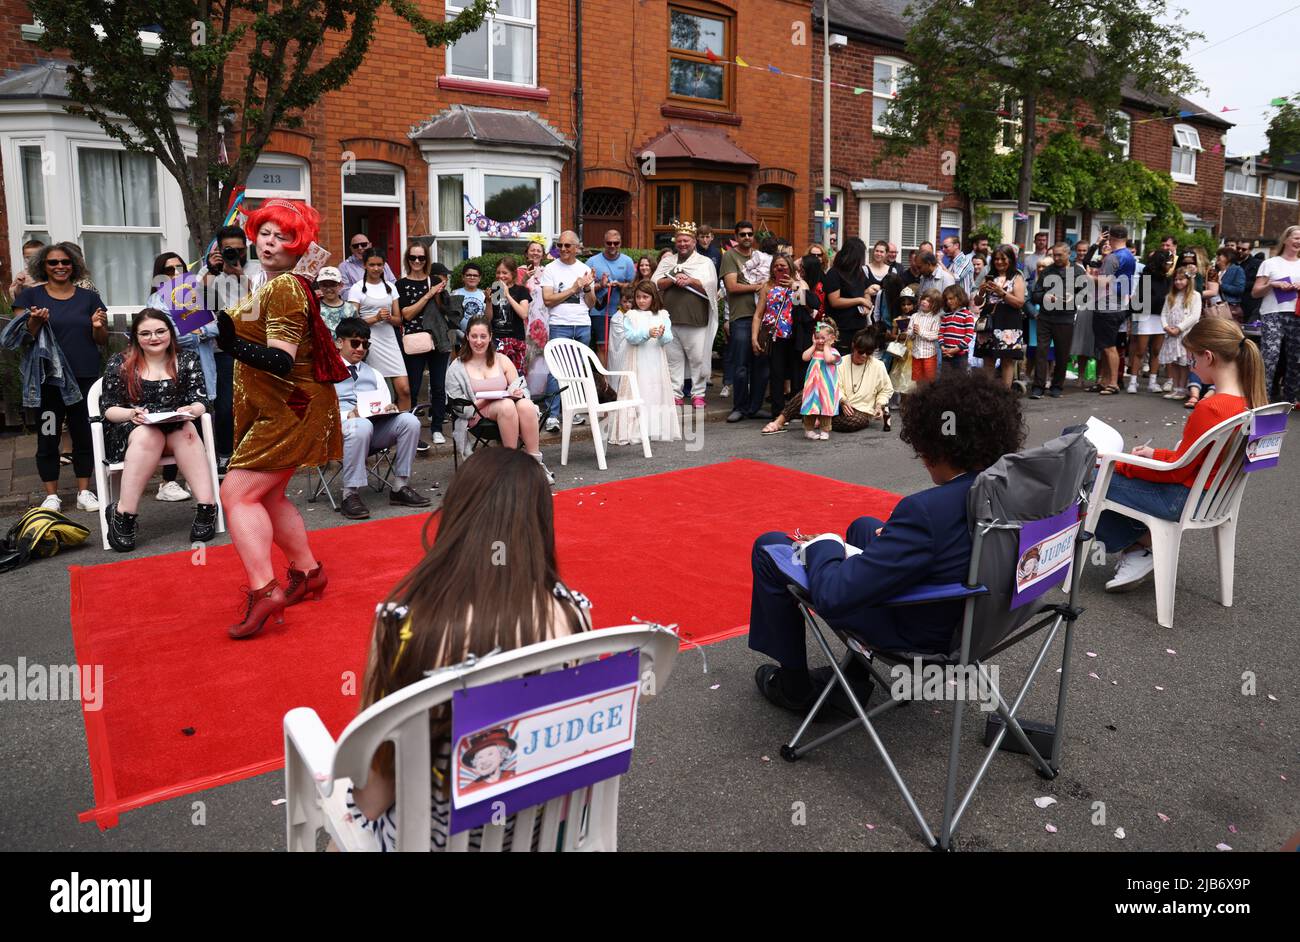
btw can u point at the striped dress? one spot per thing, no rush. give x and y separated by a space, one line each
821 392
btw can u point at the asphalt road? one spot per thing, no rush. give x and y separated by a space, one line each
1219 763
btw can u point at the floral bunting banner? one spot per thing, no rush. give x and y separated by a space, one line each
513 229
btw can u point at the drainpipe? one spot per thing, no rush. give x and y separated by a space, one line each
577 122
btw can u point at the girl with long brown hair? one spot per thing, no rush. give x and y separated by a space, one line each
154 376
488 581
1223 356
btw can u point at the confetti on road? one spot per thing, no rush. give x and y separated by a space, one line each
1273 698
1160 688
1119 832
279 801
871 827
1162 817
1285 779
715 686
766 759
1222 846
1045 802
1093 675
1232 829
1050 828
1092 654
1170 651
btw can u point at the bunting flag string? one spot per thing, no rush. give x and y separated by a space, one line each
1081 126
512 229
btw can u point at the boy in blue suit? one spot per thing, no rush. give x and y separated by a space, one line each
958 425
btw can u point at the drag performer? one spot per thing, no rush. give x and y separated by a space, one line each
286 412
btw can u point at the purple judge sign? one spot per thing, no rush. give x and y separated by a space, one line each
1046 551
521 742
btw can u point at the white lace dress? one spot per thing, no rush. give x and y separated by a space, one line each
633 349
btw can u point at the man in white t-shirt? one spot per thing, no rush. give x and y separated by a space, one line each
1276 285
569 293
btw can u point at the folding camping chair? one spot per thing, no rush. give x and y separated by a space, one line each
467 439
1031 485
319 771
379 474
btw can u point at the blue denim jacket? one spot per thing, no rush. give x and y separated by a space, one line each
202 342
1232 284
43 362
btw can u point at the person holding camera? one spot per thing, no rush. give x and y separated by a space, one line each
228 279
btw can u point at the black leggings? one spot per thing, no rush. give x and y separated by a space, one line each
223 419
49 431
785 364
436 363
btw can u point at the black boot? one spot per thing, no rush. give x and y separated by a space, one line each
204 527
885 427
121 529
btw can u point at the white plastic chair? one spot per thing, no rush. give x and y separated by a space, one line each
1216 509
319 771
574 365
108 474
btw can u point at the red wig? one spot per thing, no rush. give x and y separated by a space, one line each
294 218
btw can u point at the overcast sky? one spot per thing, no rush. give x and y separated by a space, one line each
1244 71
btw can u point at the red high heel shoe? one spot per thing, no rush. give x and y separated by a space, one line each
262 604
303 584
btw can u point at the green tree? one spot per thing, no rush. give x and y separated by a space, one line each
982 66
252 66
1284 130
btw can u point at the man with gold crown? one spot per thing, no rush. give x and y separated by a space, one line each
689 284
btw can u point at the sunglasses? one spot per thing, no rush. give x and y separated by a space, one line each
568 245
361 245
359 344
174 269
416 258
58 263
611 244
744 235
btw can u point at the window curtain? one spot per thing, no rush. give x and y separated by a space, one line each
119 190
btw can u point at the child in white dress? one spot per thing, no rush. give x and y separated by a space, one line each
1182 311
644 331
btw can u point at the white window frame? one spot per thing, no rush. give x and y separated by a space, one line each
1251 180
282 160
473 168
836 216
1187 141
897 67
20 184
1016 122
865 204
453 8
1291 185
1120 119
398 198
78 145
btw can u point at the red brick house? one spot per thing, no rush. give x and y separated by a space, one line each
668 128
1260 199
911 200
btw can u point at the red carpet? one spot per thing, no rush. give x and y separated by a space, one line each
185 708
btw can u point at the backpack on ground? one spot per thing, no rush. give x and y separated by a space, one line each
39 533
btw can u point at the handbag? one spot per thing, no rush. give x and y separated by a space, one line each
896 348
417 343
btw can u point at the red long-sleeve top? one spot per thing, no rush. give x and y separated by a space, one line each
1207 414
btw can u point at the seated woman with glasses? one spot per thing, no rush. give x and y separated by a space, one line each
489 385
153 376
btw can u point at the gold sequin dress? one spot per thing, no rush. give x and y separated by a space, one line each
282 421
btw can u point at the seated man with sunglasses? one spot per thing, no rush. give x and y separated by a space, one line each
371 422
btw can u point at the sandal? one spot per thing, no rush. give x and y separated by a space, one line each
1094 388
1108 391
769 428
1191 402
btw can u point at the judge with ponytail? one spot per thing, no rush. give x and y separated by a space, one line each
1223 357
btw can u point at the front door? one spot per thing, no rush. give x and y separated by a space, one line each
382 225
775 204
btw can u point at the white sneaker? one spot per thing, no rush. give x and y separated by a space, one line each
88 502
172 491
1168 386
52 502
1134 566
552 424
579 419
1132 384
550 475
438 438
725 392
1154 385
